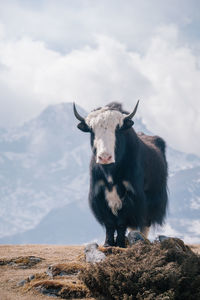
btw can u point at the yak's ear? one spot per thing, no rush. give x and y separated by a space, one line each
128 123
83 127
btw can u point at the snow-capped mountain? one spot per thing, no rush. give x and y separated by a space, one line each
184 210
45 179
44 165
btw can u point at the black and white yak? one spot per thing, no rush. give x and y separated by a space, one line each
128 173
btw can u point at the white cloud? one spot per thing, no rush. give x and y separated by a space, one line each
166 230
173 71
2 31
195 203
66 25
192 232
91 76
194 227
191 235
166 78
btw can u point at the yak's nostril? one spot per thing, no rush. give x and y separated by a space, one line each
105 158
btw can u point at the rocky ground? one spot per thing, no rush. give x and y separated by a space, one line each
16 270
30 272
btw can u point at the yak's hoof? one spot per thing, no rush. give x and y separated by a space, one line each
121 244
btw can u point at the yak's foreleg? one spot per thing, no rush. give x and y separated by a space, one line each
120 240
109 241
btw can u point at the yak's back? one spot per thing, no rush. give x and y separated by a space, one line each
154 141
155 163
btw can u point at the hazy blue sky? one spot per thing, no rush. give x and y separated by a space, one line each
94 52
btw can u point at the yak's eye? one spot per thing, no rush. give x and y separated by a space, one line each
128 123
83 127
117 127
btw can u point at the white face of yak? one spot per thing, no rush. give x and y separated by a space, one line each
103 123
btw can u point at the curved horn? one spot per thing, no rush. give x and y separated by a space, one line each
131 115
77 114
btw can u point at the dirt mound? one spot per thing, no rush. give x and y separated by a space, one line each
153 271
62 289
64 269
22 262
59 280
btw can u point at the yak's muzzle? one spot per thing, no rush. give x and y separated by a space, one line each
104 158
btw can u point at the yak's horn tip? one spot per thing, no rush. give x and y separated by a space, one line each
77 115
131 115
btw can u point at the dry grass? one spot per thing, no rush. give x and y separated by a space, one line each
153 271
64 260
9 295
195 248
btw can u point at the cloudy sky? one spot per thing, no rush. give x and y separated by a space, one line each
93 52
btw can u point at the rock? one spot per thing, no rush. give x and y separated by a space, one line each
22 282
92 254
162 238
134 236
31 277
49 271
92 246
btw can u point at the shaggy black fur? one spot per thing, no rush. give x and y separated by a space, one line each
140 160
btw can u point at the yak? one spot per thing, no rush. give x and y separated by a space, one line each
128 173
